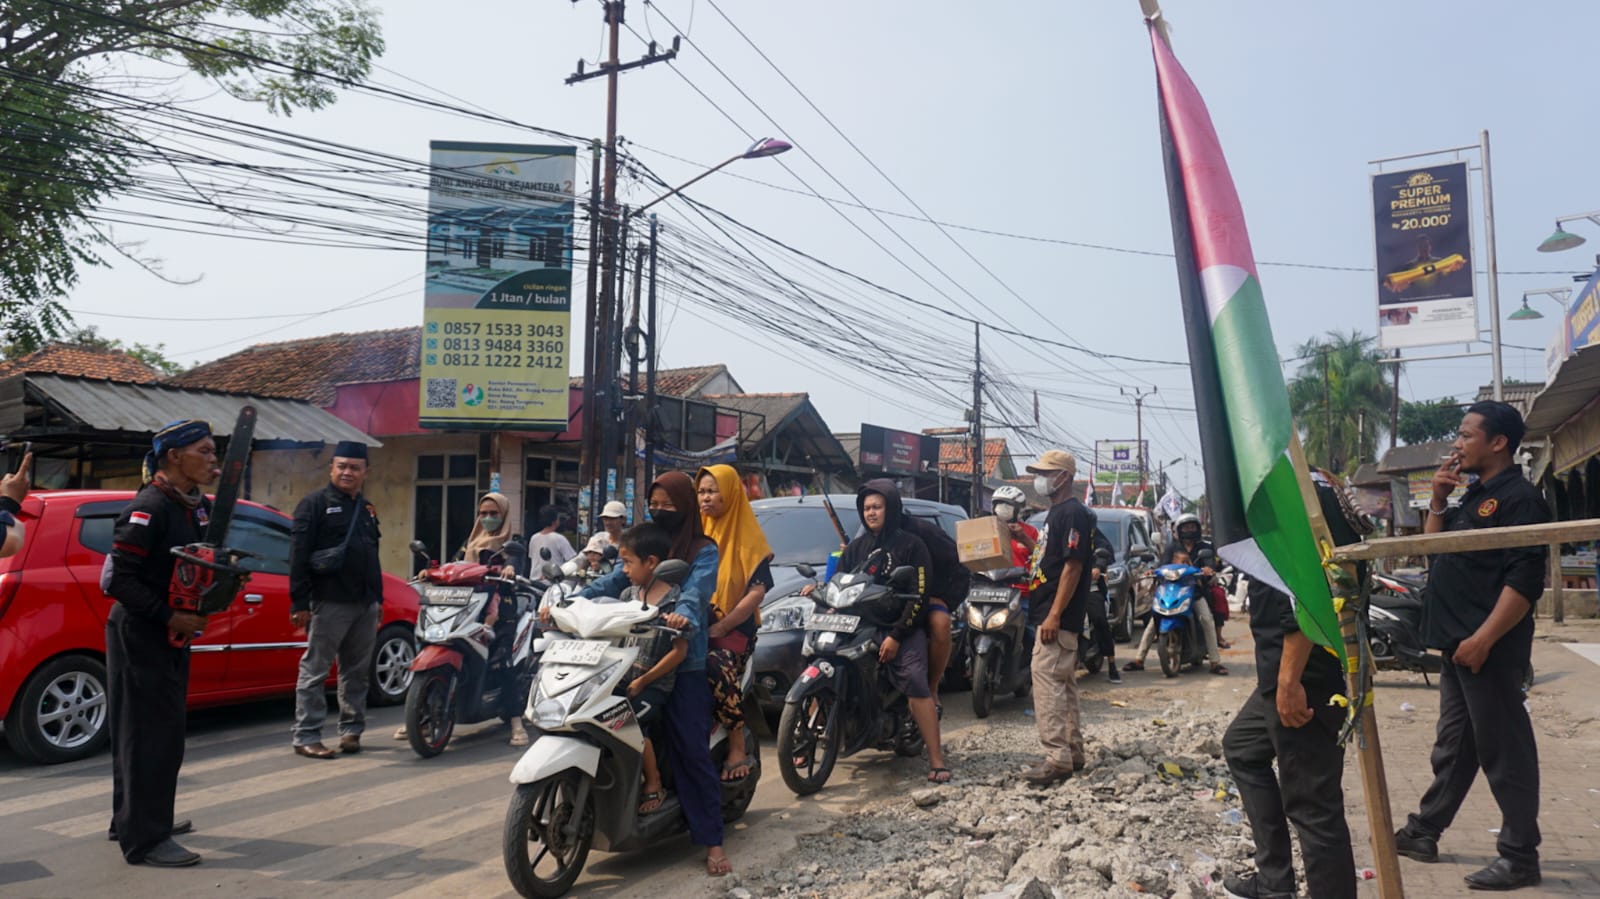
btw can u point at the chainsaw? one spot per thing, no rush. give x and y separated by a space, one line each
206 578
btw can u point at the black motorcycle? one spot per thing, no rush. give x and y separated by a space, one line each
843 702
1394 629
997 649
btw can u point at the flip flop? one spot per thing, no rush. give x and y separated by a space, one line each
718 867
656 797
729 767
939 775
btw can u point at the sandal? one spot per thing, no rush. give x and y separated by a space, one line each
1219 668
1133 666
719 866
653 799
939 775
744 767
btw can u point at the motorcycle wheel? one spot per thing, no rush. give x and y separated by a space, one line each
430 715
734 809
809 731
1169 649
984 674
541 860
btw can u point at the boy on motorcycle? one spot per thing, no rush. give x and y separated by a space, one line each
1208 627
641 548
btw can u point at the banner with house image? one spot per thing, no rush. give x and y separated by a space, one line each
497 314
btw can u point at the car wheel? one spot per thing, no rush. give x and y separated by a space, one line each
391 665
61 713
1122 621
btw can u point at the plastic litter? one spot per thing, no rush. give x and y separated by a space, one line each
1366 874
1407 707
1028 712
1117 703
1232 816
1203 859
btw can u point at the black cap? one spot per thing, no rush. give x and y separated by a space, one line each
350 449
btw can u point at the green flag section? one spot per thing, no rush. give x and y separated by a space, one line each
1259 519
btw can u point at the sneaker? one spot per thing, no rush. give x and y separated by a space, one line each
1249 887
1112 674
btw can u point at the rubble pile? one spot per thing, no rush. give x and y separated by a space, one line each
1152 814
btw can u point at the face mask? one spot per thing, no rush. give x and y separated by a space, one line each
1004 512
1044 485
671 519
492 522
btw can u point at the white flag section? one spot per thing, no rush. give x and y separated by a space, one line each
1171 505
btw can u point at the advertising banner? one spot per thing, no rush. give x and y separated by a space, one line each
1117 457
1423 231
1583 316
898 452
497 314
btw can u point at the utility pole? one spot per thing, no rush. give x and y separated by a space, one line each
597 443
633 340
977 418
1139 395
650 415
1394 405
588 420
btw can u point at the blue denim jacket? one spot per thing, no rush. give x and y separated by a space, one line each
692 600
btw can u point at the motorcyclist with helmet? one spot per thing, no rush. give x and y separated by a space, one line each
1187 537
1190 543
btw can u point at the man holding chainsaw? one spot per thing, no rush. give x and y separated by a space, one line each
147 656
335 588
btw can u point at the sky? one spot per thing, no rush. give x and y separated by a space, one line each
1029 118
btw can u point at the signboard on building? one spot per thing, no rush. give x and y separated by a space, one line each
1583 316
1114 458
497 314
898 452
1423 231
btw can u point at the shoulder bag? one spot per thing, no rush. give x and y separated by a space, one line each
331 560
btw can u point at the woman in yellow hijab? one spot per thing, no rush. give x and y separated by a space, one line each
743 579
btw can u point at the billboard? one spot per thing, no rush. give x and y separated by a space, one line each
1583 316
898 452
1423 234
1118 457
497 312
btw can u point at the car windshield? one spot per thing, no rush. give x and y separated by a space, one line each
803 534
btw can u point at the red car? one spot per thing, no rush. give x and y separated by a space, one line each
53 636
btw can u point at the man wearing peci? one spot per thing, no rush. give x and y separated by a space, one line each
1478 609
335 589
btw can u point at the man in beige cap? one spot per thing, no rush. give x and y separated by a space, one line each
613 517
1062 560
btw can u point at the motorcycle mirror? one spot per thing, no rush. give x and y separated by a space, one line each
673 571
903 578
1103 558
1205 558
551 570
805 571
418 548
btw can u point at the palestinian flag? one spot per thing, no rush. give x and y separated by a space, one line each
1259 519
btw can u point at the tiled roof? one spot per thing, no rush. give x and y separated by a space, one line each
955 456
311 369
81 361
679 382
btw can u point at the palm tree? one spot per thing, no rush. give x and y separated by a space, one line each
1340 399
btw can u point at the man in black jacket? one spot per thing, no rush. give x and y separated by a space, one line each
885 546
336 602
1289 719
149 677
1478 609
948 584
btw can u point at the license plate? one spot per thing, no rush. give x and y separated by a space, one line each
989 594
575 652
844 624
447 596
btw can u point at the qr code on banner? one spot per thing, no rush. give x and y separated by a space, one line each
441 393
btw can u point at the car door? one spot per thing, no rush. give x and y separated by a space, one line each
266 648
86 556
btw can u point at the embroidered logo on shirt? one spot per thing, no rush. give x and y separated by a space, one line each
333 510
139 518
1487 507
1072 538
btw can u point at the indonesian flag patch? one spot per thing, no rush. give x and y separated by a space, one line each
140 518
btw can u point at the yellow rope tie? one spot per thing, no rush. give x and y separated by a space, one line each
1340 700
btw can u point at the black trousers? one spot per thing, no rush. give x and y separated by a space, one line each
1309 793
1483 724
147 693
1099 624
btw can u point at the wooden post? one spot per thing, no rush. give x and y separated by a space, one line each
1558 599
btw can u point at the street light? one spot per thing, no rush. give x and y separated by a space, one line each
1528 313
1561 238
761 149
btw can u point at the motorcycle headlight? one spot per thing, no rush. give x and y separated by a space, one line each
435 632
550 711
974 616
999 618
844 597
785 615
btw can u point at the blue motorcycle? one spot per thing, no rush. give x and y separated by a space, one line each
1178 598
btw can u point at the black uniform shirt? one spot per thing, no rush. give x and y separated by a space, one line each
321 522
1464 587
1068 534
1271 620
141 550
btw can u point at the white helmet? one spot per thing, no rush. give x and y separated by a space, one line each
1186 518
1009 494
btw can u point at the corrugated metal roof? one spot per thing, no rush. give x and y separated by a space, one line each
142 408
1575 385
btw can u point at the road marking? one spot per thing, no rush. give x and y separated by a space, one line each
432 832
1590 651
225 793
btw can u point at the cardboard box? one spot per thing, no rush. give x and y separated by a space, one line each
983 544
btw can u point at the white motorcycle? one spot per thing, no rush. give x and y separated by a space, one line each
578 786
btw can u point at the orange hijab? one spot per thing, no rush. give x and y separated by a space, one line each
741 544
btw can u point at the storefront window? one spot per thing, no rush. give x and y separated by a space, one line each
542 489
446 504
